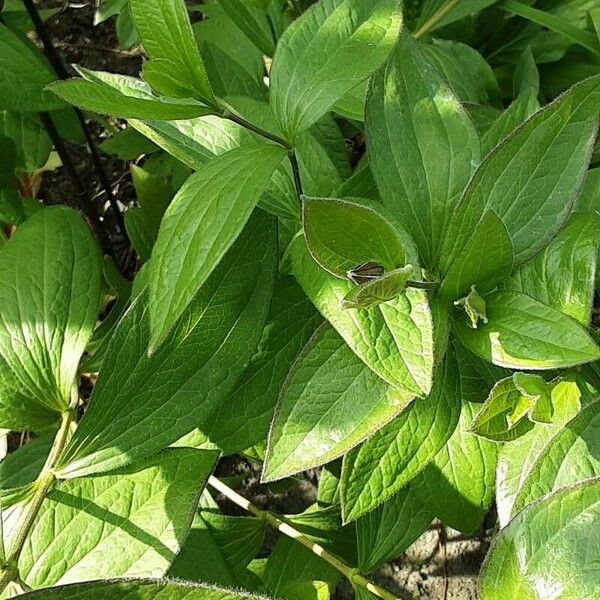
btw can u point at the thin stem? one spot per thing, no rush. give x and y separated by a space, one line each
435 19
296 173
350 572
227 114
422 285
43 485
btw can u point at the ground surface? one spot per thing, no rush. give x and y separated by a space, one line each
441 565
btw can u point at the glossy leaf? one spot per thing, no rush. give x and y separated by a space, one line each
550 547
352 39
50 274
522 333
395 339
342 235
201 223
423 146
386 462
131 522
165 30
178 387
330 402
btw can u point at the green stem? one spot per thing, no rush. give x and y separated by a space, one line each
349 572
227 114
296 173
435 19
43 485
422 285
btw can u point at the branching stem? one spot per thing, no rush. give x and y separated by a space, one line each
349 572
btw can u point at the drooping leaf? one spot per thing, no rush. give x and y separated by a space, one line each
244 419
380 335
201 223
177 388
352 39
550 547
50 295
342 235
165 30
422 145
522 333
563 274
130 523
141 589
330 402
532 178
386 462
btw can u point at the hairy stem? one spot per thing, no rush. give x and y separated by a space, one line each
349 572
435 19
10 571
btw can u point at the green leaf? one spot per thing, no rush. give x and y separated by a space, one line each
22 466
550 547
382 289
165 30
330 402
144 510
342 235
458 485
253 22
526 79
179 386
352 39
128 144
531 179
391 528
394 339
562 275
24 76
522 333
422 144
589 199
244 419
219 548
516 459
485 260
124 97
141 589
439 13
513 407
201 223
571 456
32 143
50 274
386 462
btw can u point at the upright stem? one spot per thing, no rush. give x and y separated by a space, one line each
296 173
435 19
44 483
349 572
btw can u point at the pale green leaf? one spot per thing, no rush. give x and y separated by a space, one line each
201 223
50 273
352 38
422 145
330 402
177 388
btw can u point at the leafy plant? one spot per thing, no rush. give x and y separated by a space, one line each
413 318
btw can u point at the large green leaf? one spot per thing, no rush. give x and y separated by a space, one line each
50 273
140 589
386 462
391 528
24 76
33 145
549 550
516 459
422 144
341 235
571 455
131 522
178 387
532 178
522 333
124 97
201 223
563 274
253 22
244 419
165 30
330 402
352 38
394 339
458 485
